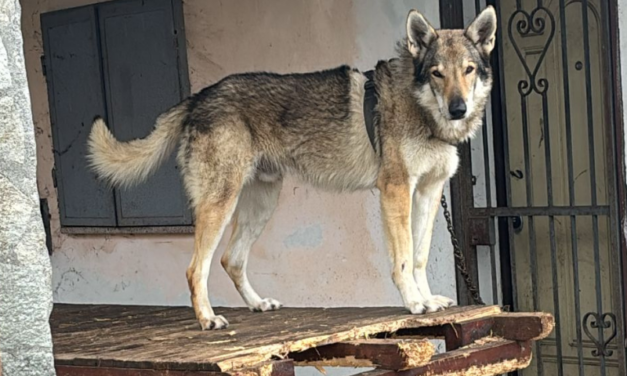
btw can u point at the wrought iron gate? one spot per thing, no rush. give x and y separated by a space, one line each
535 200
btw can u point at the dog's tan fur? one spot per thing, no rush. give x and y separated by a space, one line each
239 137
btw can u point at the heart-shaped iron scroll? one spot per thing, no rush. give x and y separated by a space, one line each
600 321
532 24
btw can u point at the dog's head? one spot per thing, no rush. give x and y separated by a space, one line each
452 74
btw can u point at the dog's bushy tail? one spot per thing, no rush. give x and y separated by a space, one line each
124 164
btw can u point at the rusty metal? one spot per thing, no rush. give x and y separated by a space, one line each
481 231
460 260
600 322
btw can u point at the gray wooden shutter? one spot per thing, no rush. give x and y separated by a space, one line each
75 91
143 78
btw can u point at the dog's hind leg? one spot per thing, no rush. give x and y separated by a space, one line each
255 207
215 176
212 216
426 202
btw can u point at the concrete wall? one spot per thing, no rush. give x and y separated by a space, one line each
25 272
319 249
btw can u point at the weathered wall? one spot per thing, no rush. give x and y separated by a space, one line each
319 249
25 283
622 16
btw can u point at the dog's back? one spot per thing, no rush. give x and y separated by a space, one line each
309 124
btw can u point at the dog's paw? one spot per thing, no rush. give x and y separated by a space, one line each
267 304
417 308
438 303
213 323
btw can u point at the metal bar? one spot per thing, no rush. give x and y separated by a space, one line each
461 200
504 193
488 196
533 255
451 12
540 211
533 265
615 158
493 271
527 166
593 192
486 143
553 245
547 144
571 184
488 191
598 284
556 298
589 108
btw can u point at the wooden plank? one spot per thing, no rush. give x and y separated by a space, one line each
511 326
275 368
492 357
392 354
523 326
108 371
283 367
361 329
459 335
170 338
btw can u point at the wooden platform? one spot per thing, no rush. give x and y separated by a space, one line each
140 341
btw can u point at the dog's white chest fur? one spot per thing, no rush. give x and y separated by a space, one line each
435 160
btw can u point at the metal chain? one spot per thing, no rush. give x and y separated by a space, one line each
460 260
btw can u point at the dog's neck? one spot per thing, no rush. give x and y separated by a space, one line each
452 132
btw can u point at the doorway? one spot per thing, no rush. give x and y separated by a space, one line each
538 191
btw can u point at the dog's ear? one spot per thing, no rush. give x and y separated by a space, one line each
482 30
420 33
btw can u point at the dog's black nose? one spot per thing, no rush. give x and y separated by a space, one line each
457 108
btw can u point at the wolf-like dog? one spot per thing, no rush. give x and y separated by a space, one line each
238 138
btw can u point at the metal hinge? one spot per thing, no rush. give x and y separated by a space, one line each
481 231
54 177
45 216
43 65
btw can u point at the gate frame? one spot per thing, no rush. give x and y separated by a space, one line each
451 16
616 115
461 188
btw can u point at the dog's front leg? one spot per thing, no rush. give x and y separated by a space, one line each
426 202
396 213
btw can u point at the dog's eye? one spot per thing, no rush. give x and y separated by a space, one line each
470 69
437 74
